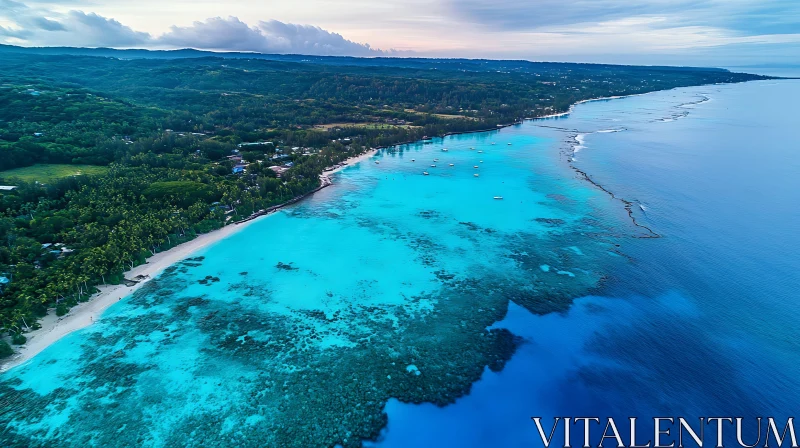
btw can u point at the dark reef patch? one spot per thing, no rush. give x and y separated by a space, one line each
259 373
285 267
429 214
208 280
554 222
471 226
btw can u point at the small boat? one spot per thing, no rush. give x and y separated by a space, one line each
413 160
425 173
475 166
444 149
433 166
472 149
476 174
452 164
481 161
377 163
435 160
499 198
480 152
493 143
509 144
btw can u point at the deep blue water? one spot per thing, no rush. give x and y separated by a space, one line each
377 293
704 321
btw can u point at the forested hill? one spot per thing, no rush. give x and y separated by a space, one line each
479 65
116 158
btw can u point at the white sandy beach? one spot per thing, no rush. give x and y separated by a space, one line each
85 314
54 328
572 107
353 161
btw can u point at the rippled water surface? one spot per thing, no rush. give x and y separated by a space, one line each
419 310
299 329
702 322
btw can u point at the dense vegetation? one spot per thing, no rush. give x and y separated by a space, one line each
165 129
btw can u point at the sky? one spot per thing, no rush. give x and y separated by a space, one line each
674 32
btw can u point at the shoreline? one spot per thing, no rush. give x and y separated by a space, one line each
355 160
54 328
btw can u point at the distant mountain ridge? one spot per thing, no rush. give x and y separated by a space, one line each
479 65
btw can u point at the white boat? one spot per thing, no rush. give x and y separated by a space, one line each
481 161
480 152
499 198
435 160
493 143
475 166
425 173
472 149
444 149
377 163
433 166
452 164
413 160
509 144
476 174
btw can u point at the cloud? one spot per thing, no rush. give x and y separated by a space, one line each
14 33
215 34
718 32
94 30
698 32
47 24
532 14
38 26
268 37
748 17
308 39
27 20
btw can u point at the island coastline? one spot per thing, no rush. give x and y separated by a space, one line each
54 328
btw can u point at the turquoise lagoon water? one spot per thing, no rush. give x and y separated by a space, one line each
703 321
419 311
299 329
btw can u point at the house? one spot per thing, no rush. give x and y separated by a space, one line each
254 144
8 187
239 168
288 164
278 170
235 158
4 281
38 134
219 206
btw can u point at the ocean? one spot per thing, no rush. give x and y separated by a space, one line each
447 308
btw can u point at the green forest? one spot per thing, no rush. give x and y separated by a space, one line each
105 161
